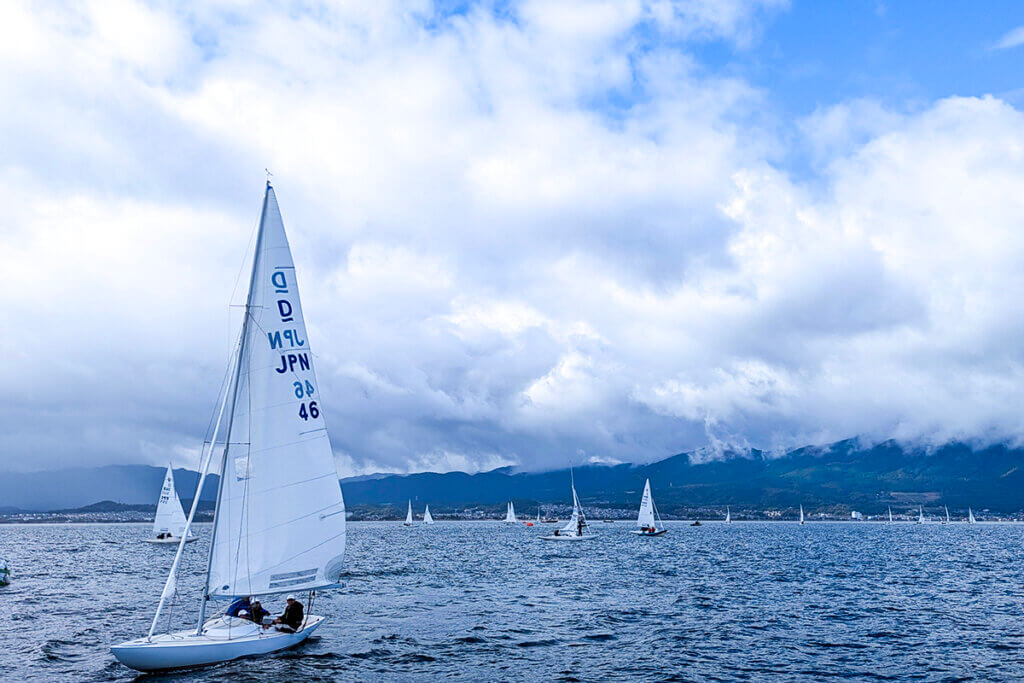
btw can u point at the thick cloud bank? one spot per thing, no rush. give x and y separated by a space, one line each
536 234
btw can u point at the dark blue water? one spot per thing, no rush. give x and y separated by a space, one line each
482 601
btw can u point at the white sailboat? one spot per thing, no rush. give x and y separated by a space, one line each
510 514
801 514
728 515
5 573
645 520
970 517
573 531
408 516
169 523
947 515
427 519
279 521
920 515
890 515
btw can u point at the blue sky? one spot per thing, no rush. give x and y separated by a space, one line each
531 233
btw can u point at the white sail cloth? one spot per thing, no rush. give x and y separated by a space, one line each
170 518
427 519
645 519
280 514
408 515
510 513
573 527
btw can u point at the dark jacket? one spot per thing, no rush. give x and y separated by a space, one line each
293 615
257 613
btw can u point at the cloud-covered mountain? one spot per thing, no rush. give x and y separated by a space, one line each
868 478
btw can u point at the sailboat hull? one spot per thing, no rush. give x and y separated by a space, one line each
563 538
175 541
185 649
659 532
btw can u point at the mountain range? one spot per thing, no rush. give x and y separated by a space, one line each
846 473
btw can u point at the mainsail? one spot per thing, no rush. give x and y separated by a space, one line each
280 518
920 515
728 515
510 513
170 518
970 516
427 519
947 515
801 514
890 515
645 519
408 515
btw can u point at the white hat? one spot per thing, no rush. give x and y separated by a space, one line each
290 597
243 613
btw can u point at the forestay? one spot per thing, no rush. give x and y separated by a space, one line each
280 522
170 518
646 517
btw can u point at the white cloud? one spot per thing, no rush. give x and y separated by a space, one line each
1012 38
538 237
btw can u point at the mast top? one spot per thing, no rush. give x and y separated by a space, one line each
269 174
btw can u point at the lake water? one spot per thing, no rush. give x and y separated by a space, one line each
485 601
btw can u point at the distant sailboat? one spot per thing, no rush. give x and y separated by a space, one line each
573 531
645 520
801 514
279 519
510 514
169 523
728 515
5 573
890 515
947 515
970 517
408 516
427 519
920 515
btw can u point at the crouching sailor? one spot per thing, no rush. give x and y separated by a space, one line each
291 620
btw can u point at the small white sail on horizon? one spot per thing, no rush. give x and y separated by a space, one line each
890 515
169 522
427 519
947 515
279 520
801 514
970 516
645 519
408 516
728 515
510 514
920 515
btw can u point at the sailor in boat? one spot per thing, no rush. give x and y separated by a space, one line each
257 613
238 606
291 619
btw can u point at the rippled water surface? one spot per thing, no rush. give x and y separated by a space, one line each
483 601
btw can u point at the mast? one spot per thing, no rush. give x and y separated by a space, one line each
234 399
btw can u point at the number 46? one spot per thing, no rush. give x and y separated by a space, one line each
301 390
314 412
